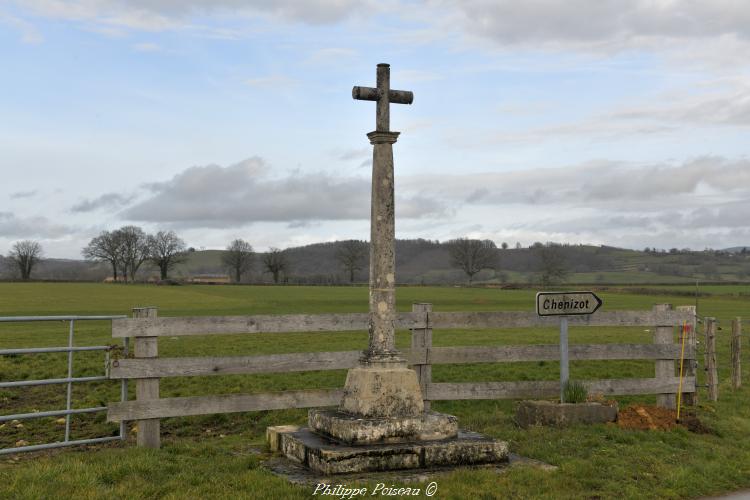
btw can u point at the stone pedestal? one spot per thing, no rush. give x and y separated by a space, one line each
382 390
329 457
352 430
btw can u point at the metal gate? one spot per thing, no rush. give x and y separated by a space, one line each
67 381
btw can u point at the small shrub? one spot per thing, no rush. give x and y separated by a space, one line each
574 392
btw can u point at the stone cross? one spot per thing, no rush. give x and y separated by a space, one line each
382 220
384 96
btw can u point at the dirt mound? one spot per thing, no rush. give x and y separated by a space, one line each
655 418
647 418
692 424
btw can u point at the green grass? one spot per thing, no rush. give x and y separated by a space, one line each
196 462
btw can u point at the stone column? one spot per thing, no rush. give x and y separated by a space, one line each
382 341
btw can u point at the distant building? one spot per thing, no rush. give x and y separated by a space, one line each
210 279
110 279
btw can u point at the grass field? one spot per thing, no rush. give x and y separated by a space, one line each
212 456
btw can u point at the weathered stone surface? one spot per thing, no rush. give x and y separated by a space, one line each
273 435
328 457
343 427
530 413
294 449
297 473
382 296
382 392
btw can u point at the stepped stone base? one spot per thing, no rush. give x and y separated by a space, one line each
327 456
353 430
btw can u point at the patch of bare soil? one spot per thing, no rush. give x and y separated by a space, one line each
654 418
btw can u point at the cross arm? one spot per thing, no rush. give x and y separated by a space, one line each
373 94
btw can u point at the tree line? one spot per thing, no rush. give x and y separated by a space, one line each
128 248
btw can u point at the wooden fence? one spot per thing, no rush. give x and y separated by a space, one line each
147 368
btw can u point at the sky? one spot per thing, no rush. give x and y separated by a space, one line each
576 121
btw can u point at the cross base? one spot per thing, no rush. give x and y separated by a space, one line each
351 430
322 455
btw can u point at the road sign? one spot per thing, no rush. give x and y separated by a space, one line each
566 303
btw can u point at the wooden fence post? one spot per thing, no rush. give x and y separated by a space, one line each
690 368
736 348
421 339
664 334
712 376
147 388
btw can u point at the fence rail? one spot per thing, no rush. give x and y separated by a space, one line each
310 323
551 388
340 360
148 368
202 405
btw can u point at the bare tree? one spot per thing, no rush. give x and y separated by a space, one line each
105 248
26 254
275 262
471 256
134 249
351 254
7 267
166 250
238 257
552 264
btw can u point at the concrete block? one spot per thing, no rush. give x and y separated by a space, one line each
273 435
530 413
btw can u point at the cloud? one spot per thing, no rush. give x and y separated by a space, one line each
597 24
596 184
728 107
247 192
700 202
597 128
162 15
354 154
719 102
105 201
29 33
12 226
23 194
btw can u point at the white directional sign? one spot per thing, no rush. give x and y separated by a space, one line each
566 303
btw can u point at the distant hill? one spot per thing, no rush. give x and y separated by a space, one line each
428 262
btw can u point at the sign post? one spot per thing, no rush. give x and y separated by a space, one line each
566 304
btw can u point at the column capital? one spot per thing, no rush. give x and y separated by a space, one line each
378 137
